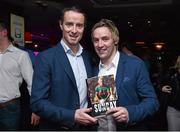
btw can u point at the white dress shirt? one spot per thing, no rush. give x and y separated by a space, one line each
15 65
112 68
0 56
79 70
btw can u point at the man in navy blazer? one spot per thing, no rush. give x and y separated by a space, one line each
136 96
59 93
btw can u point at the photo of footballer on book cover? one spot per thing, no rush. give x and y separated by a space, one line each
102 93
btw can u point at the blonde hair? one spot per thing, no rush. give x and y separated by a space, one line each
177 65
110 25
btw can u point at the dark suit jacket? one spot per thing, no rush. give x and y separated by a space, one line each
134 89
54 92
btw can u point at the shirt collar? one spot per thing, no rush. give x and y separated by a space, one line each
114 62
10 48
69 51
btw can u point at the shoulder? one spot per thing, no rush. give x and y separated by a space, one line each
133 60
48 56
19 51
134 64
15 49
48 53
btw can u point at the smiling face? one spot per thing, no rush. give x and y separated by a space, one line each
72 27
104 44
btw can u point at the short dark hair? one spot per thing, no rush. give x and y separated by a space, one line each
73 8
3 25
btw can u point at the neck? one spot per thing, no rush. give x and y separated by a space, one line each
74 49
108 61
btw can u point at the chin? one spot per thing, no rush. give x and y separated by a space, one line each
73 42
102 57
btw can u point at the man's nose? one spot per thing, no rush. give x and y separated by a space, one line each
74 30
100 43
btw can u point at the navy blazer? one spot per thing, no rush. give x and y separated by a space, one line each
54 91
134 88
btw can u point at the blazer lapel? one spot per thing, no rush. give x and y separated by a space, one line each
87 64
63 59
120 71
96 70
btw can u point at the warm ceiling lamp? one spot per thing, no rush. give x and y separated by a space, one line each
38 2
41 3
140 42
159 45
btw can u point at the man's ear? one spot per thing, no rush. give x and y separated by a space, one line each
116 41
60 24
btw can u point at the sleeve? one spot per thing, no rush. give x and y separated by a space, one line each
40 102
26 70
148 102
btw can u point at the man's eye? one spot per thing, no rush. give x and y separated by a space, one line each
95 40
105 39
69 24
80 25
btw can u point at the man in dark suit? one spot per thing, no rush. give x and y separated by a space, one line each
59 93
136 96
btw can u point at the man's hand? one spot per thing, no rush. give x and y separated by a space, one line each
82 117
35 119
166 89
120 114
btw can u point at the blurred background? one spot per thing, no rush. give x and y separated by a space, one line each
150 28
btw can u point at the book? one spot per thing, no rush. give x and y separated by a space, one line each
102 93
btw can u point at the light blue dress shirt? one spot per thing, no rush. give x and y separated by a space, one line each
79 70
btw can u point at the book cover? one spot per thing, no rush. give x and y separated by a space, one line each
102 93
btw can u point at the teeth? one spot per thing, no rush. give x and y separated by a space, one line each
73 37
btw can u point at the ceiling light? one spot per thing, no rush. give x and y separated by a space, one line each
38 2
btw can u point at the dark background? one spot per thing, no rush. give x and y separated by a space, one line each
148 21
